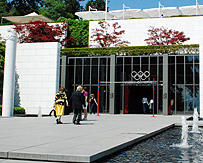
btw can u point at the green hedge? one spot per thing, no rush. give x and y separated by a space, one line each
132 50
17 110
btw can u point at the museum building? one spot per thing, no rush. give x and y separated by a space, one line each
122 81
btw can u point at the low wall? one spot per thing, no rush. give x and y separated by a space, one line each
37 76
136 29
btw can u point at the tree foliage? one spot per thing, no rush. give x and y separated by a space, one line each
2 56
106 39
23 7
164 36
60 8
96 4
39 31
79 29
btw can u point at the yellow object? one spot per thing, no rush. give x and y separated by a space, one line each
59 110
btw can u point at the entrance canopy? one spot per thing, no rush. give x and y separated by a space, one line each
93 15
128 13
165 11
27 18
192 10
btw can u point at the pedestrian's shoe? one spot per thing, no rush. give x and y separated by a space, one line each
78 123
73 122
60 122
57 121
84 119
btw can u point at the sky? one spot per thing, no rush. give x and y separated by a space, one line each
145 4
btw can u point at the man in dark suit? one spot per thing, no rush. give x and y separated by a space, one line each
77 101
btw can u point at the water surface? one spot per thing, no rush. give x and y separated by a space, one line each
160 149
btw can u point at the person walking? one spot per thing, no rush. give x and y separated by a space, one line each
59 104
76 101
93 104
85 94
151 106
145 104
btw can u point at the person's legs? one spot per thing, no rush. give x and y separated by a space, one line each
60 120
79 116
91 109
75 115
85 113
144 108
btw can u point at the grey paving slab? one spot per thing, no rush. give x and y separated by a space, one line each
40 139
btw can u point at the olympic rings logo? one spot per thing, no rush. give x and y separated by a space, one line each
140 75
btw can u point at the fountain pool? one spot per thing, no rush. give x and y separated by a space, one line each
160 149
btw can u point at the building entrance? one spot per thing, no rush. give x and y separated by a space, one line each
136 93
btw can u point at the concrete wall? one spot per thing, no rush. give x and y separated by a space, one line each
37 76
136 29
201 77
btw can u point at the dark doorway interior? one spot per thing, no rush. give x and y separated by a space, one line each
136 93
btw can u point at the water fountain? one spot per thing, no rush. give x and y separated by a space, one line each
184 136
195 128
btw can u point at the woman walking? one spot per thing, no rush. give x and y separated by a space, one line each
59 105
93 104
85 94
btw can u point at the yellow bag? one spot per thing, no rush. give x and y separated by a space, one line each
59 110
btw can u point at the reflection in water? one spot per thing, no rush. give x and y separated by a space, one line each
159 149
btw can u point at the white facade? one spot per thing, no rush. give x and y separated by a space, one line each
136 29
201 76
37 76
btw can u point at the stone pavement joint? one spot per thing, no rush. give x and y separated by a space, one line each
40 139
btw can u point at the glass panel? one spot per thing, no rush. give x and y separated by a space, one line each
180 98
144 64
153 68
196 58
94 71
102 99
189 98
103 69
189 59
171 70
78 71
86 70
119 68
197 98
136 64
189 73
171 98
196 73
128 69
160 68
180 70
70 74
108 79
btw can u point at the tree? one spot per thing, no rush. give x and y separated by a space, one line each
96 4
106 39
39 31
79 29
3 8
60 8
164 36
23 7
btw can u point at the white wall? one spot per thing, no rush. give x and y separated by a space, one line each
37 72
201 77
136 29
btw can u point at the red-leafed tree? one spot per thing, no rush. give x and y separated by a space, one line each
39 31
164 36
104 38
